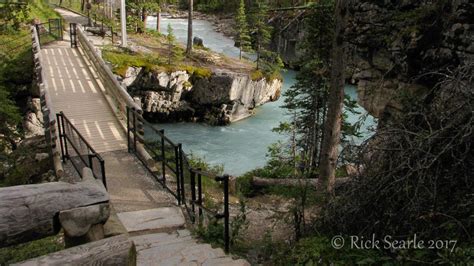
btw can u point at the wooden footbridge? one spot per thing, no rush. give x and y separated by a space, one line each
92 122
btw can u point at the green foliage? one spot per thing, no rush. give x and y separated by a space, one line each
307 99
242 38
238 224
212 233
261 31
42 11
417 179
318 250
9 119
197 72
121 60
256 75
175 53
271 65
13 15
30 250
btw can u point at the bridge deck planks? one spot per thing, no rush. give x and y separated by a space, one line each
74 90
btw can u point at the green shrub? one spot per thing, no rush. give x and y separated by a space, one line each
256 75
121 60
197 72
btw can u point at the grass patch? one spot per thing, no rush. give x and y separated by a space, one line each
198 72
42 11
30 250
121 60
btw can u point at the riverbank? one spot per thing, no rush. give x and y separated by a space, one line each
241 146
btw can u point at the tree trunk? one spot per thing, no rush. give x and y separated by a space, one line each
30 212
189 47
158 21
332 127
144 19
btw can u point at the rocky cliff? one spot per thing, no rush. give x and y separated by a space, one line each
219 98
395 43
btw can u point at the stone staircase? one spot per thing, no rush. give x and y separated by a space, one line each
179 248
160 239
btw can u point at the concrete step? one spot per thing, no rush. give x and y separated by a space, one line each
156 220
179 248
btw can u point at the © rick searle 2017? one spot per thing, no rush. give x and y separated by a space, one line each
394 243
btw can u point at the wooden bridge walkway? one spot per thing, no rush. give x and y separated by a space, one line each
75 91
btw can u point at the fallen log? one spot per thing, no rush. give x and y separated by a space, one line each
117 250
292 182
30 212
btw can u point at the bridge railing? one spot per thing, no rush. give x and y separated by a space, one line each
47 107
49 31
119 95
172 168
74 147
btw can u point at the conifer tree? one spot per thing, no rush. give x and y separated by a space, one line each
308 97
175 53
261 30
243 35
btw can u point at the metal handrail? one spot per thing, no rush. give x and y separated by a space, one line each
65 139
89 146
181 165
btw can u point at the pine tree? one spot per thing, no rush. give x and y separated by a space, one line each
261 30
309 96
175 53
243 35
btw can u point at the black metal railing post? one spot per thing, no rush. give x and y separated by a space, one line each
128 130
226 214
60 22
61 136
199 198
181 175
91 166
78 143
134 131
193 196
178 179
73 34
163 156
104 179
66 151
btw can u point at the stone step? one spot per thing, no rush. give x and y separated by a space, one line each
179 248
156 220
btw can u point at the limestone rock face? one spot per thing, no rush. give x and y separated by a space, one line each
32 125
393 43
33 120
222 98
131 75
